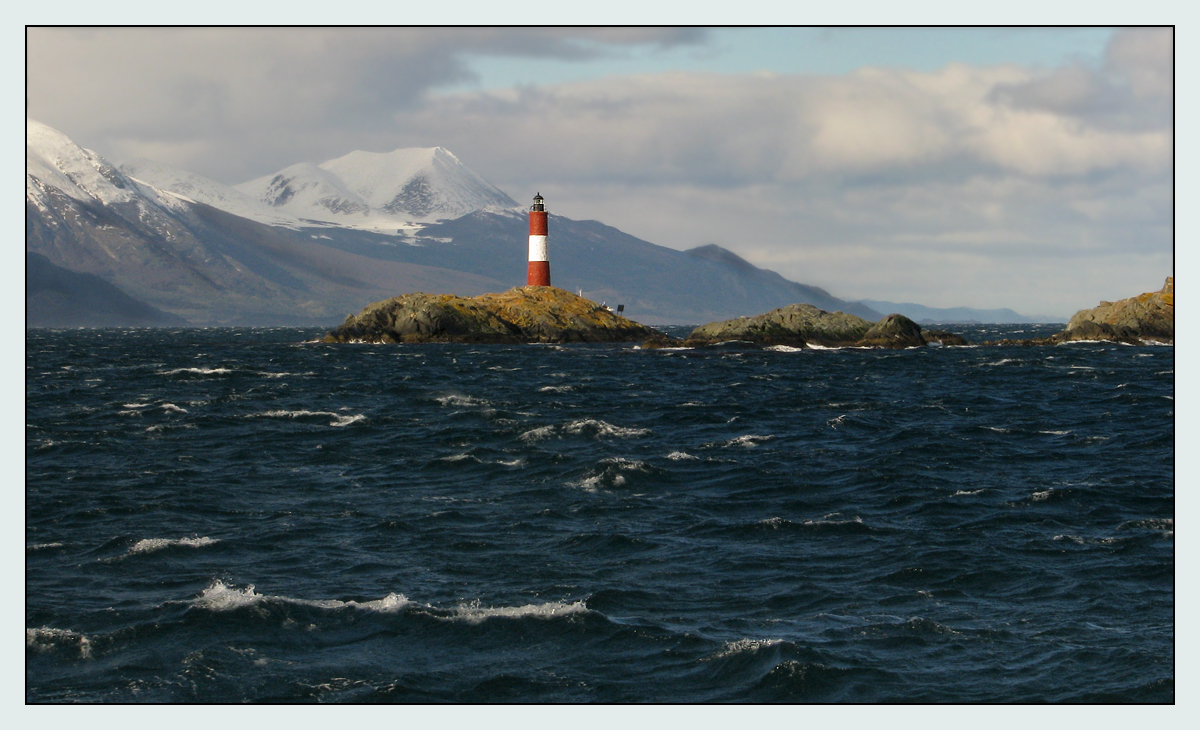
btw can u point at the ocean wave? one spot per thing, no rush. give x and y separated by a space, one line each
220 597
584 427
744 646
682 456
613 473
748 441
537 434
46 639
597 429
835 519
172 408
455 458
1079 540
1164 525
152 545
340 420
42 546
556 388
474 613
461 401
785 348
198 371
168 427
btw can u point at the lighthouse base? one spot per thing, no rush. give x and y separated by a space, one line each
539 273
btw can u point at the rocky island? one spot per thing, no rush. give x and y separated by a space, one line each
519 315
803 325
1143 319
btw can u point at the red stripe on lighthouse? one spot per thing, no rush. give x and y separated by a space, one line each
539 273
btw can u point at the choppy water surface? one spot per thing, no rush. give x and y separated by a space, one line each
237 515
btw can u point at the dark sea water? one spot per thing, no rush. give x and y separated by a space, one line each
229 515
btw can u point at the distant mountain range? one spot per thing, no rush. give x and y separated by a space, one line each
956 315
314 243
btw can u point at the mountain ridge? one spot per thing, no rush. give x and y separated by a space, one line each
216 254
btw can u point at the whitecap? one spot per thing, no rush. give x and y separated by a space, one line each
220 597
198 371
834 519
172 408
742 646
339 419
42 546
473 613
1041 496
967 492
1055 433
537 434
749 441
163 426
155 544
46 639
461 401
681 456
556 388
603 428
459 457
290 414
784 348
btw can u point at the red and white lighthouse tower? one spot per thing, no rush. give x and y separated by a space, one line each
539 258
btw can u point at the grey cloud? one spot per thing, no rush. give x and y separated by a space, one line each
1132 90
234 102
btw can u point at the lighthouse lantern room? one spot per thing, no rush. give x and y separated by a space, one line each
539 259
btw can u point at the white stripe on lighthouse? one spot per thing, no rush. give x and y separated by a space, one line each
537 249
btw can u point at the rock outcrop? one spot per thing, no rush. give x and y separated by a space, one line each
1150 316
803 325
523 314
894 331
795 325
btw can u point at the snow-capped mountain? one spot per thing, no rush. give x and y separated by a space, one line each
380 191
54 164
185 256
197 188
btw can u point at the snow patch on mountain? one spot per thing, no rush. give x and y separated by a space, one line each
197 188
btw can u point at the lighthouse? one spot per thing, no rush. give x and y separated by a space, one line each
539 259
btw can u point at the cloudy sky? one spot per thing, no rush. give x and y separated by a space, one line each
1019 168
